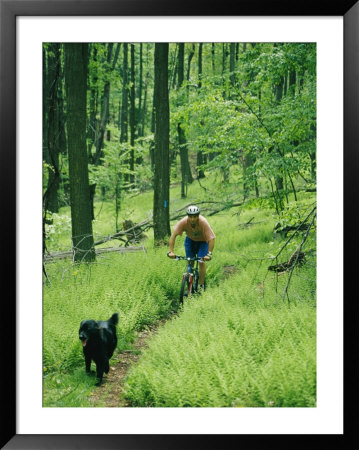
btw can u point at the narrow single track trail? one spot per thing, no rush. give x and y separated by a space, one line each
110 393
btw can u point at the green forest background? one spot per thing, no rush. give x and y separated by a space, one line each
132 134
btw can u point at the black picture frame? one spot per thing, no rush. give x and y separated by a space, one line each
9 10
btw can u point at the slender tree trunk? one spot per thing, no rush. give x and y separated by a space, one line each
76 93
181 136
232 64
313 157
124 110
45 104
173 68
140 88
190 57
279 182
105 102
53 75
225 54
200 158
213 53
249 159
144 108
45 152
153 129
237 52
292 82
200 61
91 133
185 167
162 171
132 116
105 116
224 57
124 106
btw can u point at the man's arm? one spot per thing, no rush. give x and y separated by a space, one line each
171 244
210 249
210 245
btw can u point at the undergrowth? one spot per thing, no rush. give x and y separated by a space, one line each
230 347
244 342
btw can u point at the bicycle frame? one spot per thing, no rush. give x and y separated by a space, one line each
192 272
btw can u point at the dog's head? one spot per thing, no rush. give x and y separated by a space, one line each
87 329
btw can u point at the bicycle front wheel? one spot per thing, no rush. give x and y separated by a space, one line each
195 282
186 286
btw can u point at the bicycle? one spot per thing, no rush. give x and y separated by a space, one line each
190 279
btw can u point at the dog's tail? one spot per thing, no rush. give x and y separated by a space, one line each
114 319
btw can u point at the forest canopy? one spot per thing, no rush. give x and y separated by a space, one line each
243 111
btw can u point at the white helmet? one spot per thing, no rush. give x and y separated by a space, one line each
192 210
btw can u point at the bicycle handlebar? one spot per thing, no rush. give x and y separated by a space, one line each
196 258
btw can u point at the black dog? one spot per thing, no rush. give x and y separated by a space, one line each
99 341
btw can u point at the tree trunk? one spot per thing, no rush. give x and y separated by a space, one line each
76 92
200 158
292 82
232 61
313 156
144 108
161 155
173 68
45 156
100 127
213 53
132 116
91 133
104 112
190 57
181 136
224 57
124 106
185 167
45 104
279 182
140 87
53 130
153 129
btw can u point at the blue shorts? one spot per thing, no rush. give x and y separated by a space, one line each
193 248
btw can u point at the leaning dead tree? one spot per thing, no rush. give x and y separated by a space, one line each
133 234
129 233
298 257
299 251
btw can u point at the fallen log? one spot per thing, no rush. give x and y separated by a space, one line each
69 254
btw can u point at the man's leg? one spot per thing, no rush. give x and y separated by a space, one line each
202 273
202 252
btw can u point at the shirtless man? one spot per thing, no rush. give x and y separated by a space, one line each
199 239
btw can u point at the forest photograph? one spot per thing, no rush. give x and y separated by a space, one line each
144 145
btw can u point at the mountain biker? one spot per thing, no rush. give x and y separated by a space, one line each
199 239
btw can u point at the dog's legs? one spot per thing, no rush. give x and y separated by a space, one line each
99 373
88 364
